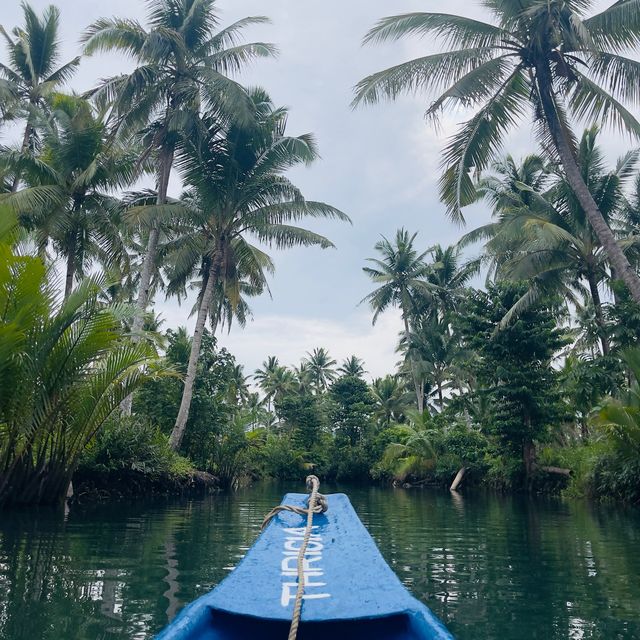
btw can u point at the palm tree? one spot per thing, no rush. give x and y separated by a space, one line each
255 412
321 368
183 63
33 74
448 279
352 366
546 55
303 377
237 386
402 275
542 234
264 377
434 348
78 168
416 453
284 382
390 400
238 192
276 381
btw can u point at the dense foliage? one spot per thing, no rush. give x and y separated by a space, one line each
529 381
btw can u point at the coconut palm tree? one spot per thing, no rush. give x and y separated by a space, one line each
77 170
415 454
237 386
448 278
264 376
402 275
33 73
549 59
390 400
321 368
352 366
254 410
182 64
303 377
238 194
542 234
281 381
435 348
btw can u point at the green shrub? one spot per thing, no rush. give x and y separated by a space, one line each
503 471
616 478
127 443
350 462
280 458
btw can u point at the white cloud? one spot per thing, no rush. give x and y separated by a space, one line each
291 337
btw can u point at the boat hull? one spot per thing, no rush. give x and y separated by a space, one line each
350 591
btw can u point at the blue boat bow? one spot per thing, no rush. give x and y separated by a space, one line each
350 591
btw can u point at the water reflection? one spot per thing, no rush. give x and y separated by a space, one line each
489 566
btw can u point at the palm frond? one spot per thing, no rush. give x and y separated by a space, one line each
431 72
477 142
107 34
457 31
617 27
589 102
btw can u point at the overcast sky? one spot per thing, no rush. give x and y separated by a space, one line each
379 165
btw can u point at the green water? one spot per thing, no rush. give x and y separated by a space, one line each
490 567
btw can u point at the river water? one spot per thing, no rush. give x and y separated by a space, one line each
491 567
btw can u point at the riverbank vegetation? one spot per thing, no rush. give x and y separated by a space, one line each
526 381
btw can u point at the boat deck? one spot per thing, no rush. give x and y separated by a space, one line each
350 591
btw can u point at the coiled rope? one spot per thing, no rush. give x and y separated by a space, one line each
317 504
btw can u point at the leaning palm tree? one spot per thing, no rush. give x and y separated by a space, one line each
183 63
401 275
33 72
541 234
547 59
239 194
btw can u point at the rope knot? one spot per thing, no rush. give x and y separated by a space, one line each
322 504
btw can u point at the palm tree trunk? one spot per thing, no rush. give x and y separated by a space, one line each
458 479
68 281
616 296
416 382
597 306
615 254
189 381
164 172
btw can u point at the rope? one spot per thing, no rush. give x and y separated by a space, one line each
317 504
